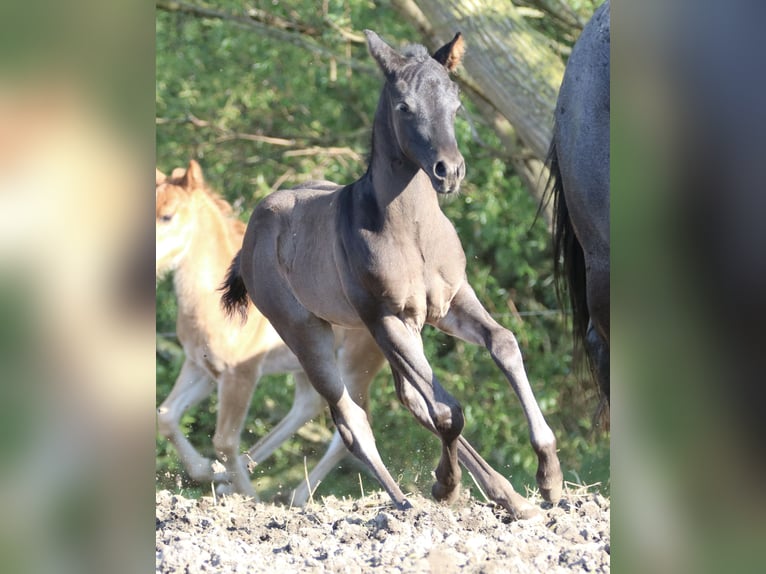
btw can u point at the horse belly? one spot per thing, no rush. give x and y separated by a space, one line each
329 303
314 280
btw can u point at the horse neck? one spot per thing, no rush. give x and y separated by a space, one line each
403 192
213 244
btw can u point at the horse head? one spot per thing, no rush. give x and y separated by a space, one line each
421 102
174 214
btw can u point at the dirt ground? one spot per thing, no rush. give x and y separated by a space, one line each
236 534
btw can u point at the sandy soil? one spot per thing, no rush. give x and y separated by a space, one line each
236 534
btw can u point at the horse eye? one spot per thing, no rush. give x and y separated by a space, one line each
402 107
166 217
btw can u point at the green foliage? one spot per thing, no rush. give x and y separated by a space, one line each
234 82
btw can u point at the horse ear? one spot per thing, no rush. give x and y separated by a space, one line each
194 178
159 177
451 54
388 59
177 173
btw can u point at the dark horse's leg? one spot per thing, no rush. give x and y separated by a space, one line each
598 351
420 391
469 320
313 342
494 485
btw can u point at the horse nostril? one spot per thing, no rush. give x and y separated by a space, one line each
440 170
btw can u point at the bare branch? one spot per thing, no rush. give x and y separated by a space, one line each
227 135
304 147
347 35
275 21
280 33
329 151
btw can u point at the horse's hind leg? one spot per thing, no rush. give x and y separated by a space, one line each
313 342
598 351
235 390
192 385
597 335
469 320
360 359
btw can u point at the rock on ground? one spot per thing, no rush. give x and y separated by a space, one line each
237 534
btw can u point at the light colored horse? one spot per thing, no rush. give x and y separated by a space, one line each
391 262
197 236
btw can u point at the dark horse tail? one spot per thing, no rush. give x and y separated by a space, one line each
568 256
234 298
569 276
568 264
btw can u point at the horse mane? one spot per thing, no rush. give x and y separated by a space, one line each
416 51
226 209
220 202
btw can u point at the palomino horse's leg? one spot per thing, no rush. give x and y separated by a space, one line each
192 385
423 395
307 404
335 453
235 390
470 321
360 359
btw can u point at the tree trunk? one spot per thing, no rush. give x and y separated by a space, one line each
509 63
511 71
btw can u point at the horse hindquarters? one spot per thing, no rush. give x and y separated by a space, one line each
310 338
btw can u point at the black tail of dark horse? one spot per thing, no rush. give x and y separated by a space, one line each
234 298
568 257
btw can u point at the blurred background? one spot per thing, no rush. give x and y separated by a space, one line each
81 343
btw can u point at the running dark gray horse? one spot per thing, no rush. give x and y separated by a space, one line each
579 163
379 254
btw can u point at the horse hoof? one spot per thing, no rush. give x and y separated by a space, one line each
550 482
552 494
224 488
531 513
403 505
445 494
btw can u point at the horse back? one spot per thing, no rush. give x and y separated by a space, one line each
290 245
581 133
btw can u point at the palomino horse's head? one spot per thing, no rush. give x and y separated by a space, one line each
422 102
174 224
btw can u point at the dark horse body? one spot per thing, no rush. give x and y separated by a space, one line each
579 162
380 255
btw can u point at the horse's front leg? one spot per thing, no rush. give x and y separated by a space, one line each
470 321
192 385
420 391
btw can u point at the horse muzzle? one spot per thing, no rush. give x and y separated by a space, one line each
447 174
